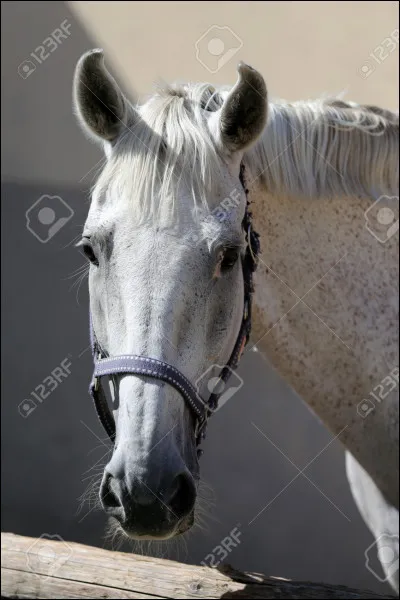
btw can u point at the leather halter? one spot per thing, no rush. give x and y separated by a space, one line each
157 369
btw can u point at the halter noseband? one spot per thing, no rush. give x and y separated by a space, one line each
157 369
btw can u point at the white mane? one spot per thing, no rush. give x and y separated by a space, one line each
317 148
328 148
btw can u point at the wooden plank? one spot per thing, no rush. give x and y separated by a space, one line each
48 568
31 585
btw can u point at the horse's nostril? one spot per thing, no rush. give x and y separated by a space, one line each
110 494
182 495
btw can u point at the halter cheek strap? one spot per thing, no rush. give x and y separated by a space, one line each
157 369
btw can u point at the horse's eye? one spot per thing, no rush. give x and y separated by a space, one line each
229 258
89 253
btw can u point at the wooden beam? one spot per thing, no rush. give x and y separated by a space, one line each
49 568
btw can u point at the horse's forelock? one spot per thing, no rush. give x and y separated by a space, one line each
171 142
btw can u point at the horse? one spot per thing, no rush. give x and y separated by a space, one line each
190 176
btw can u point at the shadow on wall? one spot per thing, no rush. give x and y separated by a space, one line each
54 447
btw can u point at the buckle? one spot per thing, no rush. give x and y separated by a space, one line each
246 309
199 428
253 241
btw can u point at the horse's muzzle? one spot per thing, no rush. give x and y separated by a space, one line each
145 513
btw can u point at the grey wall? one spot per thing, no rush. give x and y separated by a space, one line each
308 531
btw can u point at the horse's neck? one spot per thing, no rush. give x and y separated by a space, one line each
326 318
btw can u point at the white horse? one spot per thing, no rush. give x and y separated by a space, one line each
322 177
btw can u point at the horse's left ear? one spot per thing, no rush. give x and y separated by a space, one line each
243 115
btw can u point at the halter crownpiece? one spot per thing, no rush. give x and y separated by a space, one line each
158 369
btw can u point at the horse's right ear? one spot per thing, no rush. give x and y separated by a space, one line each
102 109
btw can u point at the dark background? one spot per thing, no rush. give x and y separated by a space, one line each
305 533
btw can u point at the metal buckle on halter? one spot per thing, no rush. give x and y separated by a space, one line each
246 309
199 427
252 238
202 422
96 380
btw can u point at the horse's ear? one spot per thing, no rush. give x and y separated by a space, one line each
243 115
101 107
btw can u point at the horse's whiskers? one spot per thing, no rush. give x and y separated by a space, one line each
90 496
94 475
114 534
82 268
81 274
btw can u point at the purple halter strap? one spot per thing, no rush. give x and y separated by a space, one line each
157 369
